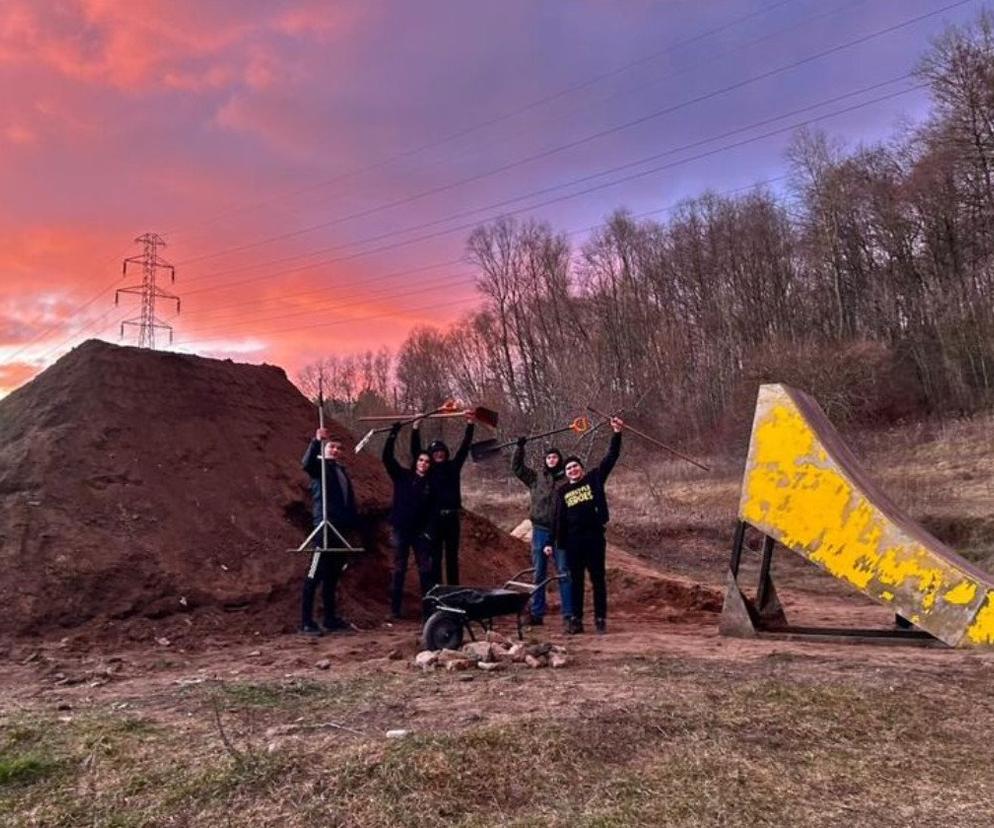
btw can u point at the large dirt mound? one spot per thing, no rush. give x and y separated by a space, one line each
146 493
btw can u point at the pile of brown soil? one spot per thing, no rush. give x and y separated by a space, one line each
147 494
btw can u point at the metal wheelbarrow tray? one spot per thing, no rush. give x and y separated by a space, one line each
451 610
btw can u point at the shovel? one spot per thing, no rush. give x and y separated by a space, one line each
485 448
448 408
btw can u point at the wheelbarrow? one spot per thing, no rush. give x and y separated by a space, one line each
452 610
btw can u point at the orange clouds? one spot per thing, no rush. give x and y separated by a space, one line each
180 44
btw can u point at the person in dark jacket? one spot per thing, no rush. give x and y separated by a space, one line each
581 515
326 568
445 474
410 517
544 487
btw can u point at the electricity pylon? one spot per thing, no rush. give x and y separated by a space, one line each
150 261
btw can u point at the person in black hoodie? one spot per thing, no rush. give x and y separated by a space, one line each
444 475
544 487
581 515
410 517
326 568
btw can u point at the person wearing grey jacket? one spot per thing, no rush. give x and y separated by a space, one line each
544 488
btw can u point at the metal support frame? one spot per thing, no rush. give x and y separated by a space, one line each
346 549
765 617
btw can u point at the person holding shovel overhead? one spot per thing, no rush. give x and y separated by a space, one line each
445 475
411 517
326 567
581 515
544 487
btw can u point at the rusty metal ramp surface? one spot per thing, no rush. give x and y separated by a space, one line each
803 487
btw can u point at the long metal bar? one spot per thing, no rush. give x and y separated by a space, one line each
737 543
763 588
653 440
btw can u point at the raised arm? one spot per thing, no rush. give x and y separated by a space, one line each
613 450
415 441
518 467
311 461
394 469
463 451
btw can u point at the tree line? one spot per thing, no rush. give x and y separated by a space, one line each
868 283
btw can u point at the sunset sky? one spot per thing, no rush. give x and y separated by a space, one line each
316 167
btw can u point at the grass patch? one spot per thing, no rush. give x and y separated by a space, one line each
26 768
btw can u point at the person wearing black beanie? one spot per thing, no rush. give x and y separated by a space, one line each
544 487
444 476
410 517
581 515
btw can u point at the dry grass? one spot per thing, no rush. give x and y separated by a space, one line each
697 743
845 736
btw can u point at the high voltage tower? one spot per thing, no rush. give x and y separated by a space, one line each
151 262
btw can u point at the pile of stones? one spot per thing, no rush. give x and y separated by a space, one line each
495 653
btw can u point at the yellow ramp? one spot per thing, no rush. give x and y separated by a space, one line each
803 487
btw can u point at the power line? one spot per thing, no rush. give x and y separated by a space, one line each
321 307
534 104
569 196
588 138
433 306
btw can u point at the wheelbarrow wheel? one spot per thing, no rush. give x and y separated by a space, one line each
443 631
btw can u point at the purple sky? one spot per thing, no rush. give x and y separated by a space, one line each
223 124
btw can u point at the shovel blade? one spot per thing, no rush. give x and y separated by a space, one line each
487 416
483 449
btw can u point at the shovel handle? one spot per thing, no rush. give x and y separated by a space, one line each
652 440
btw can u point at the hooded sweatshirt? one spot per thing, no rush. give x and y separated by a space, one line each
543 487
413 507
444 476
581 507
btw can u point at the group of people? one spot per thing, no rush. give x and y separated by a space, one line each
568 512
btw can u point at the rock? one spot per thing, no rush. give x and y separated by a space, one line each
556 648
489 666
163 641
445 656
497 638
482 650
426 659
460 664
516 652
466 677
501 653
323 664
255 654
539 650
536 661
557 660
395 655
63 706
397 734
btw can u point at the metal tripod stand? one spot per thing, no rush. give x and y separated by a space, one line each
346 548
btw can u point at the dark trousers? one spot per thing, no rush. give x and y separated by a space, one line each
587 554
403 543
325 568
447 544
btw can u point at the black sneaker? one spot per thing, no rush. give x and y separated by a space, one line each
311 629
575 626
601 625
337 624
567 624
